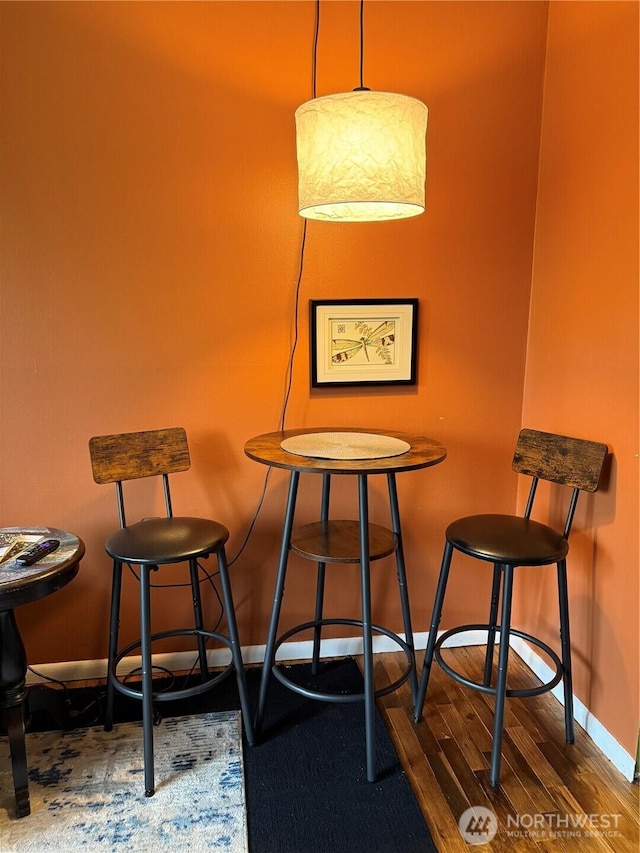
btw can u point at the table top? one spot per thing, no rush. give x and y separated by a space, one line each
423 452
22 584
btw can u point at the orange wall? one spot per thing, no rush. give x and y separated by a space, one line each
151 247
583 362
150 250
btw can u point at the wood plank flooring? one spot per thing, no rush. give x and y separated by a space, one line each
552 798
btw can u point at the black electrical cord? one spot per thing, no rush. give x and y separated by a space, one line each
296 312
362 86
50 679
314 52
296 324
314 80
255 517
288 385
76 716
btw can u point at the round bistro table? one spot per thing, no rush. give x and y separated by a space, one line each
342 541
21 585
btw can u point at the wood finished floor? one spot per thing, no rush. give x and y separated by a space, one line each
447 756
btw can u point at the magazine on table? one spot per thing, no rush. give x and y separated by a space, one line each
14 544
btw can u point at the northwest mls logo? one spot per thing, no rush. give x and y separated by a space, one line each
478 825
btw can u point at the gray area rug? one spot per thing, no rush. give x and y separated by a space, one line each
87 789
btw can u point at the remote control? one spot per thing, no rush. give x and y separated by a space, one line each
37 552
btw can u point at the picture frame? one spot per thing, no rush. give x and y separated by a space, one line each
363 342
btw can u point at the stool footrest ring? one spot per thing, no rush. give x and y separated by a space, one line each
344 697
172 695
520 693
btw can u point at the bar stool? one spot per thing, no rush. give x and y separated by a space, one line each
508 542
152 543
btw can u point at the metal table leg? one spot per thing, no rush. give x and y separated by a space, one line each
367 639
269 654
317 631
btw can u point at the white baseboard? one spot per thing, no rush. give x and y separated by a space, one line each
87 670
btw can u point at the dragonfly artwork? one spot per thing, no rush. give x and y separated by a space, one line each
374 342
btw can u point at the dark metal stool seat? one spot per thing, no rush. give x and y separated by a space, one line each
507 539
148 545
166 540
509 542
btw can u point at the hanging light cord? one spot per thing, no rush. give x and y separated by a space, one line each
296 311
289 380
295 330
362 86
314 55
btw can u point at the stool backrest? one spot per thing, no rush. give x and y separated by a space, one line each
133 455
573 462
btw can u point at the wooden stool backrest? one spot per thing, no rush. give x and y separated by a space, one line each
569 461
132 455
573 462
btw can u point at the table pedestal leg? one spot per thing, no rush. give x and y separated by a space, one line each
13 670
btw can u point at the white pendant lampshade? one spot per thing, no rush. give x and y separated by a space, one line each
361 156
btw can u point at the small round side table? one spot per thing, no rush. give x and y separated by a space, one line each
21 585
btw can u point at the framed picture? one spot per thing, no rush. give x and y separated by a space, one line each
363 341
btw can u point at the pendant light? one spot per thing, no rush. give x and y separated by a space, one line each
361 154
